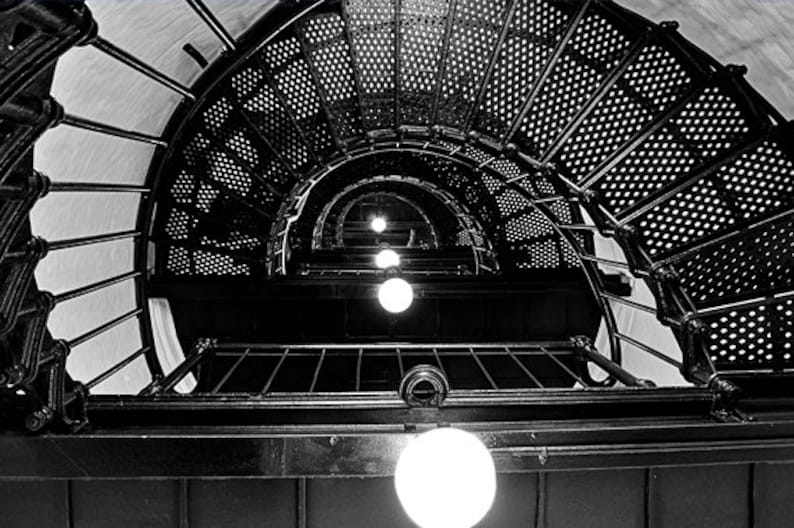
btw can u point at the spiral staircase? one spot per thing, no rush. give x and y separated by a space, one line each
526 133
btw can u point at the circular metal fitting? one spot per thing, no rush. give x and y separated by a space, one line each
424 386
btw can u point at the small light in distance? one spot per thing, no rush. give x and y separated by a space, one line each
387 258
395 295
445 478
378 224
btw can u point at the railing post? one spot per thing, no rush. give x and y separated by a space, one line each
585 347
204 347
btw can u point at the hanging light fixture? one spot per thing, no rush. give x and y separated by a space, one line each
378 224
395 295
387 258
445 478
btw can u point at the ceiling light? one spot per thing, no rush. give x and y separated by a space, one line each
395 295
387 258
445 478
378 224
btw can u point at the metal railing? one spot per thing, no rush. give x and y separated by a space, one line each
317 373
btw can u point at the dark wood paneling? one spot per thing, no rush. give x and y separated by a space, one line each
33 503
588 499
127 503
354 503
700 496
773 495
242 503
515 503
727 496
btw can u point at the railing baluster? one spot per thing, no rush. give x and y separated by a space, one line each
628 302
77 341
358 368
652 351
564 367
317 371
275 372
102 128
612 369
580 227
213 23
524 368
204 348
400 362
438 360
138 65
485 372
229 372
607 262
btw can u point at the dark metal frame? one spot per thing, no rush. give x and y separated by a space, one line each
74 26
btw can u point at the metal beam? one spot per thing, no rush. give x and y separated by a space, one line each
90 288
595 99
745 304
646 132
497 51
109 130
650 350
87 187
138 65
77 341
443 58
669 191
212 22
117 367
548 68
90 240
321 451
321 95
737 231
260 134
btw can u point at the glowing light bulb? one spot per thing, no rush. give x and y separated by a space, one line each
445 478
378 224
387 258
395 295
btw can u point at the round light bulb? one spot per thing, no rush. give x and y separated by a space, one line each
395 295
378 224
445 478
387 258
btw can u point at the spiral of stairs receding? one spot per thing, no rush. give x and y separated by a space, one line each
528 111
671 153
